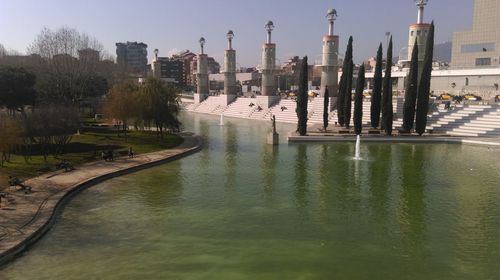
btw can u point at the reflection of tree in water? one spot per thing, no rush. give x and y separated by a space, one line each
162 186
339 193
325 180
380 172
231 154
301 191
412 212
269 159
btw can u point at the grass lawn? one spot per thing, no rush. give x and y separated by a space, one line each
87 147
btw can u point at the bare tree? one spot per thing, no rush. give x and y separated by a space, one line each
69 63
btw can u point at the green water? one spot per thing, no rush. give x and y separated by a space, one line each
241 209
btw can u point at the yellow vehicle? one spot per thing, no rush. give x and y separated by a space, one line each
497 98
445 96
472 97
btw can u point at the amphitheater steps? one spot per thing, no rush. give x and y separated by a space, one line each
240 108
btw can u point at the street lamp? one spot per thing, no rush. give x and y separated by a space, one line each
156 51
420 4
230 36
202 43
269 27
331 15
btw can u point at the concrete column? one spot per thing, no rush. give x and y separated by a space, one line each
268 66
329 68
419 32
230 72
202 89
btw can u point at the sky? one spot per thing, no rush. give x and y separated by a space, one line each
176 25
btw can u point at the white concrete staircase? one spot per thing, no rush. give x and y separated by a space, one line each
240 108
461 120
207 106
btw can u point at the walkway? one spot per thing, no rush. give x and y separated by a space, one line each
24 218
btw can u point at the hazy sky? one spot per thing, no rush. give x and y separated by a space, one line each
172 25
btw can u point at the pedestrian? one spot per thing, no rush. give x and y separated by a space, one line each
130 152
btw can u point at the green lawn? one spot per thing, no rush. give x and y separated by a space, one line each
87 147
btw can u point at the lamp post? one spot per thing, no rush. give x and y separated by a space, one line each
269 27
230 36
331 16
420 4
202 43
156 51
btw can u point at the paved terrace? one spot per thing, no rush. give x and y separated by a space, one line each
315 135
24 218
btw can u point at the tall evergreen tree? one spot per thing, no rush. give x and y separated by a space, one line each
326 109
425 85
348 96
377 90
302 99
340 99
344 82
411 92
387 112
358 101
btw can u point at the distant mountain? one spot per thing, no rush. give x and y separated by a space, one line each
442 52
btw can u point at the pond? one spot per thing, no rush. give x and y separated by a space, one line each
242 209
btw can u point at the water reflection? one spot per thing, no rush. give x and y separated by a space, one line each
379 174
164 189
300 168
230 154
270 155
412 209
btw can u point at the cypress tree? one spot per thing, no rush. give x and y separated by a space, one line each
302 99
358 101
343 86
387 113
377 90
411 92
340 99
425 85
326 109
348 96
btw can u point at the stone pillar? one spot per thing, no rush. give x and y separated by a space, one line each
419 32
230 72
268 66
201 78
329 67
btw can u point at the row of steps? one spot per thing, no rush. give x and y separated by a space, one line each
460 120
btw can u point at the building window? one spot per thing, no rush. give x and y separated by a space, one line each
412 33
481 47
419 32
483 61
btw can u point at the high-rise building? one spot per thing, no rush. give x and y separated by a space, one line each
132 56
187 71
480 46
169 69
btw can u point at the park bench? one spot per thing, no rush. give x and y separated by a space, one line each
15 182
